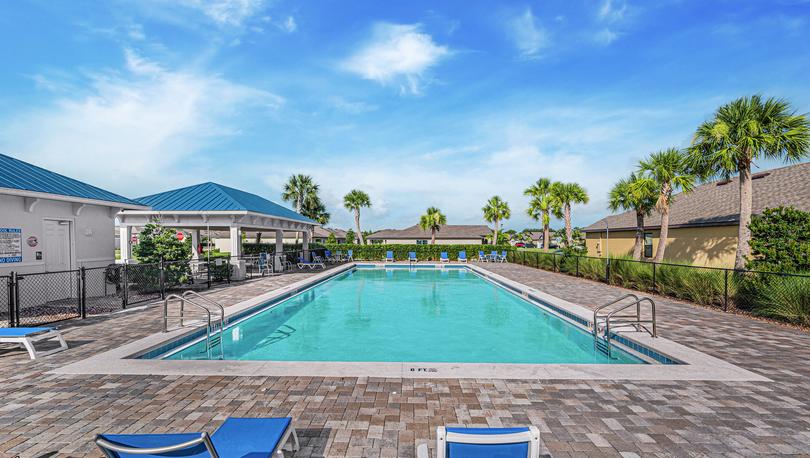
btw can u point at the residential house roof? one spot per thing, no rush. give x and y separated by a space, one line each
20 175
216 197
718 203
447 232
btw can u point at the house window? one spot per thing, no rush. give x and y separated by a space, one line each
421 242
648 245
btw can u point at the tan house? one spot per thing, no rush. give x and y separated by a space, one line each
703 223
450 234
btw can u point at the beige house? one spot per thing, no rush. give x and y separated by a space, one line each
450 234
703 223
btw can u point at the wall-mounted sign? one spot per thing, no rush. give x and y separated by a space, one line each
180 236
10 245
32 241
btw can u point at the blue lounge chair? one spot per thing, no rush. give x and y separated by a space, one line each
389 256
484 442
237 437
493 256
502 257
412 256
327 254
349 256
27 337
310 264
462 256
443 257
482 257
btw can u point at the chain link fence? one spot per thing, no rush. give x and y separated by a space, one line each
47 296
6 306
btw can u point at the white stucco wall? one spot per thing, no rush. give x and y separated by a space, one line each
92 236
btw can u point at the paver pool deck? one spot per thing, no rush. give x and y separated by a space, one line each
58 415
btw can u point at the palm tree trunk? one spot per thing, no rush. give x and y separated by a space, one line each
297 210
432 236
568 240
546 234
746 202
639 242
662 237
357 223
495 236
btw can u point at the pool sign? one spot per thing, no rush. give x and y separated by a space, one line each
10 245
180 236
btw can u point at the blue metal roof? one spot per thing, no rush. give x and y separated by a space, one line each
216 197
17 174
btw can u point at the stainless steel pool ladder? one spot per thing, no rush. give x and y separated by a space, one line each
609 320
214 325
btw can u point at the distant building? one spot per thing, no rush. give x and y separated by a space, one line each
50 222
453 234
703 223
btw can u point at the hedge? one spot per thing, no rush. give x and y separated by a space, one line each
257 248
423 252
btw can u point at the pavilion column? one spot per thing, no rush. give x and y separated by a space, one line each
195 243
305 245
236 253
125 238
277 258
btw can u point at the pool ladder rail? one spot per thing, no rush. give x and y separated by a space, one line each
214 319
607 319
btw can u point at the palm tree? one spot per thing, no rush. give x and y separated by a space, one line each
631 194
495 211
432 220
666 171
740 132
354 201
567 194
541 205
300 190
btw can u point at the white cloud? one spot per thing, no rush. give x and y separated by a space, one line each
612 10
605 36
351 107
225 12
396 54
528 35
289 25
135 131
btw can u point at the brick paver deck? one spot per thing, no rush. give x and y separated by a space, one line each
58 415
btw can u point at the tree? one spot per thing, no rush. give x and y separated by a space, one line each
632 194
432 220
157 243
354 201
331 239
315 209
541 205
566 194
350 236
780 240
495 211
666 171
740 132
301 190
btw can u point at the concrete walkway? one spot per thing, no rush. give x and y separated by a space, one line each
42 413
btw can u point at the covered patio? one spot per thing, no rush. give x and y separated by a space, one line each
209 207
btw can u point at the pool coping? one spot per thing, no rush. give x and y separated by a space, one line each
695 365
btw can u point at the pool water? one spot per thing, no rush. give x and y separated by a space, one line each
408 315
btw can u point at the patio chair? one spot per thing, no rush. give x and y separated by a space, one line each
462 256
412 256
389 256
310 264
349 255
443 257
493 256
237 437
482 257
480 442
502 257
328 255
27 337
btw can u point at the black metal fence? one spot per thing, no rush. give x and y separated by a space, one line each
783 296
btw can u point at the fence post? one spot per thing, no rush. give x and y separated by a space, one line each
208 274
125 283
554 262
654 285
607 270
725 291
82 293
13 300
162 280
577 258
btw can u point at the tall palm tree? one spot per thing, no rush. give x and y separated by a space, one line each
495 211
354 201
667 172
632 194
541 205
432 220
300 189
741 132
567 194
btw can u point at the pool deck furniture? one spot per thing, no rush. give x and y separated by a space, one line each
501 257
443 257
27 337
329 257
350 255
462 256
309 264
482 257
389 256
236 437
484 442
412 256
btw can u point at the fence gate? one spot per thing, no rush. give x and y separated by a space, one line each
46 297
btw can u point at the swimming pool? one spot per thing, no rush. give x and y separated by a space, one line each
407 315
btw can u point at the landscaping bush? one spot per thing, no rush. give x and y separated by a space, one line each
780 240
784 298
631 274
423 252
258 248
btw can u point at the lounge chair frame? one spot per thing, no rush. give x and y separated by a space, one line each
532 436
27 341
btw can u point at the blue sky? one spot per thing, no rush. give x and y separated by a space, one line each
417 103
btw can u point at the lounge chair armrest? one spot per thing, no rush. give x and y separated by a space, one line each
422 451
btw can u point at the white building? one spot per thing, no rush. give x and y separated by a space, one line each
449 234
50 223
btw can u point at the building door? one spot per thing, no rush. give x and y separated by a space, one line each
58 258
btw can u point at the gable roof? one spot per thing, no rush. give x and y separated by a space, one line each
216 197
448 231
22 176
718 203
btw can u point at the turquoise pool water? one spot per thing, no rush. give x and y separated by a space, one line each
408 315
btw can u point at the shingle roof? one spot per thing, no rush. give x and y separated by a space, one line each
449 231
216 197
718 203
17 174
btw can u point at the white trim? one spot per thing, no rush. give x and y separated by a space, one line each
64 198
205 213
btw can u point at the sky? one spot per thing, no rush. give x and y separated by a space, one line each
418 103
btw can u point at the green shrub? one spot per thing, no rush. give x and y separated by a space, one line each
783 298
423 252
702 286
631 274
257 248
780 240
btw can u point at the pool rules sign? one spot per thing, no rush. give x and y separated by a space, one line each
10 245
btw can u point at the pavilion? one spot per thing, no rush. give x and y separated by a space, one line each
211 206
